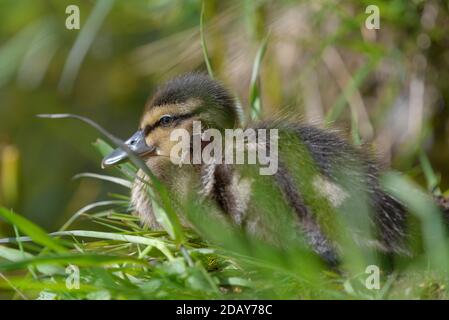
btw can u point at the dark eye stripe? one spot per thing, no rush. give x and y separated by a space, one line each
176 119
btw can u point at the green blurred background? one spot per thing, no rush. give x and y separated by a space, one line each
390 87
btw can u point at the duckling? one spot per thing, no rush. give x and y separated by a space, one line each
196 97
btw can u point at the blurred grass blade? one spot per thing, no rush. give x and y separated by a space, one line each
15 255
254 93
360 75
9 175
431 178
42 48
12 51
33 231
203 43
82 44
46 287
64 259
434 235
10 284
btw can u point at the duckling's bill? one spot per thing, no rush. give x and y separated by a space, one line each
136 144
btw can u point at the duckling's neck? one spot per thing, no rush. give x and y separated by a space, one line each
180 181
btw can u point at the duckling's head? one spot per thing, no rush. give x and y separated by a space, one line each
175 105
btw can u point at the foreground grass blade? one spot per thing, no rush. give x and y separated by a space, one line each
81 260
104 148
15 255
87 208
160 245
129 171
175 228
33 231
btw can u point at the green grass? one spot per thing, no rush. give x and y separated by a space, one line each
126 261
119 259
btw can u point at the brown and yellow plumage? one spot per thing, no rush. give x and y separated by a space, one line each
197 97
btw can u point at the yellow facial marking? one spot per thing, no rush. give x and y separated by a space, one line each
159 136
154 113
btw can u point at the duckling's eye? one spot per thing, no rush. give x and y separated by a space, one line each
165 120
